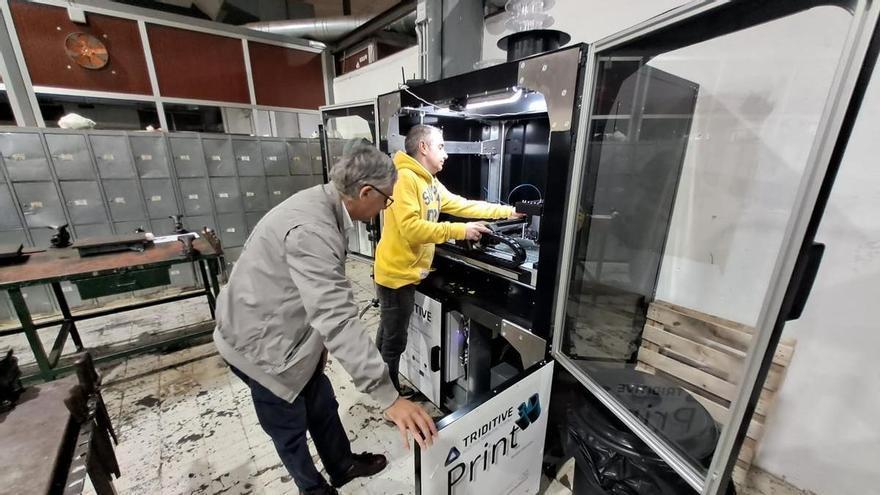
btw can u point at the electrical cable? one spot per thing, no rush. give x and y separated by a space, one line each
540 196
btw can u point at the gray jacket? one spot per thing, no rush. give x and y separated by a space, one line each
288 298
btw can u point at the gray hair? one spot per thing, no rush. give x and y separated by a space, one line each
416 135
364 165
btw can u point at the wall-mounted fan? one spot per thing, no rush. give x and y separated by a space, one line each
86 50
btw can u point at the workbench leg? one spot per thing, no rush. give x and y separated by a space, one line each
214 269
68 318
209 293
30 331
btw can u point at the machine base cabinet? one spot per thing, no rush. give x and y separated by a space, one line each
496 446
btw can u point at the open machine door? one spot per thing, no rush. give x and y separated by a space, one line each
344 127
710 139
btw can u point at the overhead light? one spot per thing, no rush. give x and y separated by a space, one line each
513 98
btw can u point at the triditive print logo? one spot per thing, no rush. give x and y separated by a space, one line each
461 472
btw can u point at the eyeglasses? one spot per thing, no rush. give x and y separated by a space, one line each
388 199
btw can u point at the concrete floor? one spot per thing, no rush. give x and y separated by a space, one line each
187 425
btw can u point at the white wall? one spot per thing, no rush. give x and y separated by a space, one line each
377 78
824 434
735 196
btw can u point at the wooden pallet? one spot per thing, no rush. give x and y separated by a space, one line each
706 355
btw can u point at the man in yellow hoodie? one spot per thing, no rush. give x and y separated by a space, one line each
410 231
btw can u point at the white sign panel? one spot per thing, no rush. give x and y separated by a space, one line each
423 334
496 448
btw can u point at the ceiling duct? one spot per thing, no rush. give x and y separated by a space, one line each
325 29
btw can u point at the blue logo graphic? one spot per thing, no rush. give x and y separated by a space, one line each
529 412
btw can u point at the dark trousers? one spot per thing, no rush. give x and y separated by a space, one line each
395 306
315 410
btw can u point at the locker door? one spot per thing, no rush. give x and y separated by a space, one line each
150 156
232 229
41 237
84 203
113 157
13 237
301 182
248 157
70 156
196 196
301 157
315 155
40 203
8 212
160 198
131 226
226 195
219 157
124 198
280 188
96 230
197 223
254 193
275 157
251 219
189 160
24 156
182 275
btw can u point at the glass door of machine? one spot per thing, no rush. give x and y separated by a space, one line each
346 127
698 170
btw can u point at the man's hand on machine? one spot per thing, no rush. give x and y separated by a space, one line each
474 230
412 418
516 215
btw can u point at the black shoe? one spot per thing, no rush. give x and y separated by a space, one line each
364 464
407 392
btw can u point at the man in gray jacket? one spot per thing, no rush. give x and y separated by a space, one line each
288 302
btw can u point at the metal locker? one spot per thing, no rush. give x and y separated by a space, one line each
24 156
41 237
40 203
113 157
7 314
232 229
254 193
317 179
71 295
84 203
160 198
13 237
9 219
280 188
189 161
248 157
300 157
227 198
96 230
130 227
315 155
124 199
219 157
301 182
198 223
251 219
38 299
182 275
150 156
275 157
196 196
161 226
70 156
231 256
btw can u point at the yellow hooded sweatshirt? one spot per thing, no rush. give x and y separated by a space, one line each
411 229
